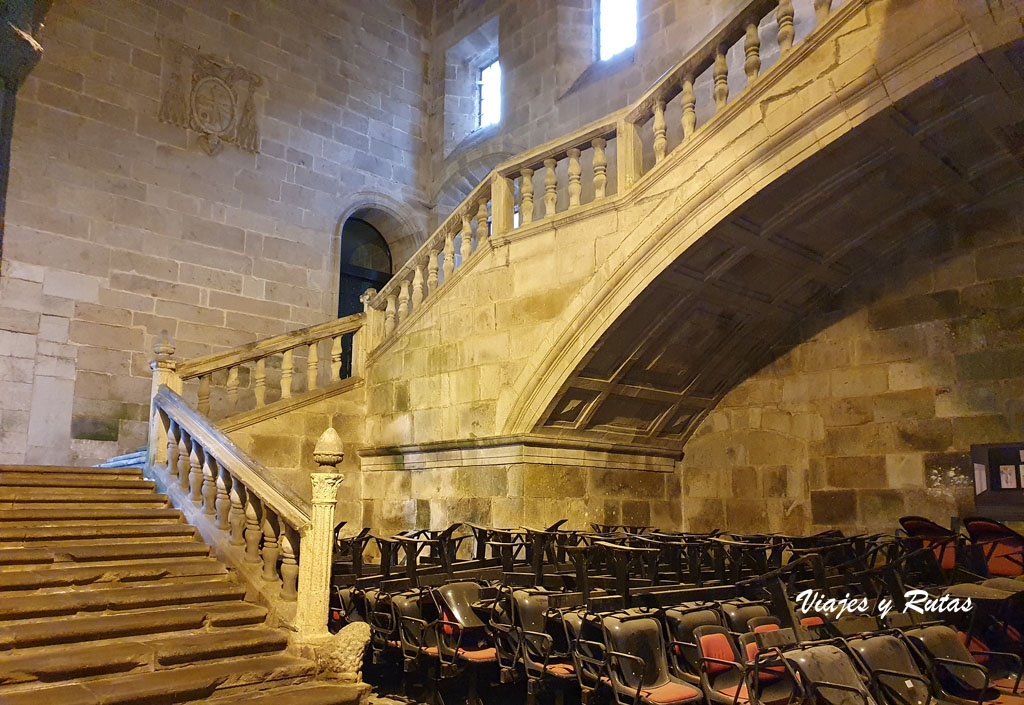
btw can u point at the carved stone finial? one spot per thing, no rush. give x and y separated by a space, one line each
163 348
328 450
366 298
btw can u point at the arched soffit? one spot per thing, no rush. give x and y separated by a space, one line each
648 347
461 177
403 228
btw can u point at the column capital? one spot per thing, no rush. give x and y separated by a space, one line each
325 486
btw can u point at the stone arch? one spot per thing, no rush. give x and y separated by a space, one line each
461 177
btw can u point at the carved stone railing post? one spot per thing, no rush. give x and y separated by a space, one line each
164 374
316 545
600 167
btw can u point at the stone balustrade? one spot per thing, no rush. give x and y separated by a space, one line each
274 369
283 540
599 162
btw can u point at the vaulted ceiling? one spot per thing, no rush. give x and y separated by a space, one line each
721 310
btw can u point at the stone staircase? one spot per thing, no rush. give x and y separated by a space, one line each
107 596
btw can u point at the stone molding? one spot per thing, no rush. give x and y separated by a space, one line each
510 450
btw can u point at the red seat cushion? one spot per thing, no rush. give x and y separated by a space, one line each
432 650
716 646
765 673
671 692
561 669
762 628
732 690
488 654
813 621
975 644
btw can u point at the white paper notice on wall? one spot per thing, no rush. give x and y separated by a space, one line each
1008 477
1022 456
980 478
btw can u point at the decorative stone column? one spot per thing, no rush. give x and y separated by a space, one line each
316 546
164 374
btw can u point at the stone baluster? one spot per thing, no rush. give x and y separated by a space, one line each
312 366
259 385
449 255
821 10
195 473
525 197
317 545
389 314
233 389
689 101
575 187
466 236
223 501
287 366
289 563
721 75
417 286
173 439
209 491
237 515
550 187
481 222
271 547
165 374
432 272
184 448
336 358
752 50
600 167
784 18
253 519
660 130
204 395
403 301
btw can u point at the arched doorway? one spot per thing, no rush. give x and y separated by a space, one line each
365 263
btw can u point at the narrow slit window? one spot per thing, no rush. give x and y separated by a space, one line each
617 27
490 94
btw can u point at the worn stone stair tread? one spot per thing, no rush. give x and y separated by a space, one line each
73 513
177 685
26 479
70 470
101 552
95 494
22 634
21 606
304 694
110 573
87 531
67 661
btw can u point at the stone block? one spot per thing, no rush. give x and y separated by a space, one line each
830 507
924 435
859 381
856 471
898 406
915 309
880 507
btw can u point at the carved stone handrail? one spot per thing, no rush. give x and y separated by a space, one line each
319 350
510 190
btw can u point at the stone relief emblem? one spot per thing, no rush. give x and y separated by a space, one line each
212 97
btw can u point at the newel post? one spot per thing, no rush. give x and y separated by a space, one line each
165 373
367 337
316 547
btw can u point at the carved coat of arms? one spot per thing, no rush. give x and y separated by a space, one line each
212 97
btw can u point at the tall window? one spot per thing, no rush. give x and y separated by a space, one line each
490 94
617 26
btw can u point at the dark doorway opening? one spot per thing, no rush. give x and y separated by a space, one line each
365 264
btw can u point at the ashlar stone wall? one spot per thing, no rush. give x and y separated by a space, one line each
872 417
119 225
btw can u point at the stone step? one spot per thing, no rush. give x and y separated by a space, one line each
305 694
96 599
67 661
24 479
58 575
89 513
102 552
177 685
15 497
136 458
20 634
68 471
26 534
